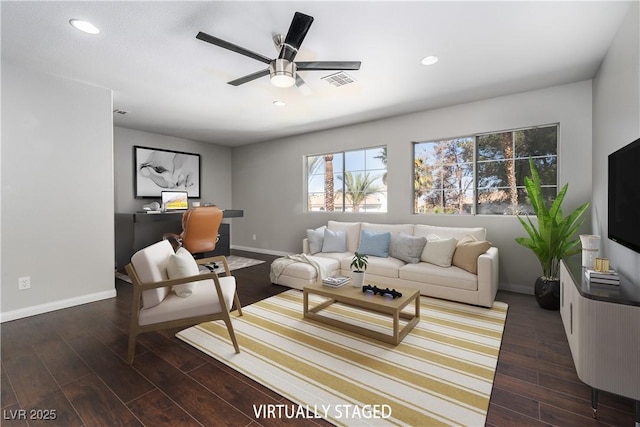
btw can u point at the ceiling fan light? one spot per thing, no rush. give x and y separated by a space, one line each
283 73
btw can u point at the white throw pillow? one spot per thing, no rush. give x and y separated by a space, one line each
351 230
439 251
182 264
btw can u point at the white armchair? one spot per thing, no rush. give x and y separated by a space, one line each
155 306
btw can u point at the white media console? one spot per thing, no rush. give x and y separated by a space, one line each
602 323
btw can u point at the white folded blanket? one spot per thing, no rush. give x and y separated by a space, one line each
278 266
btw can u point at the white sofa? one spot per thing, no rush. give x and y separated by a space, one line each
464 281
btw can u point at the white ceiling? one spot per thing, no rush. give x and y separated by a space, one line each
173 84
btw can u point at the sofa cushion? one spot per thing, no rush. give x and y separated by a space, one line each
334 241
338 256
374 243
467 252
302 270
386 267
180 265
406 247
478 233
439 251
315 238
207 302
150 264
352 230
453 277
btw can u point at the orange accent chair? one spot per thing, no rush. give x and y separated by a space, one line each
200 226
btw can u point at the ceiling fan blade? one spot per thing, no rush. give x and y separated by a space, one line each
232 47
249 77
302 85
298 29
328 65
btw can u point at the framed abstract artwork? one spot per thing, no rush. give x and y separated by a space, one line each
157 170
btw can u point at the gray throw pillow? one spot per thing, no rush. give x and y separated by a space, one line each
334 241
315 238
406 247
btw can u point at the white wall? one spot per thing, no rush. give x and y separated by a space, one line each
268 178
215 163
57 192
616 123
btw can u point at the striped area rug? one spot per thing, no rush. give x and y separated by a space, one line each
440 374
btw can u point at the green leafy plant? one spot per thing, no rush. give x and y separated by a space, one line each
359 262
552 239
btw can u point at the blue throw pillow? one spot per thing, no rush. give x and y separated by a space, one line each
374 244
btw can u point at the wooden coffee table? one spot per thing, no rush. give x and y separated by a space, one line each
352 296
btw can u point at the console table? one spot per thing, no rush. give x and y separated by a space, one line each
602 323
134 231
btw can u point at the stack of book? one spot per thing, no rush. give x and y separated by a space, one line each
335 281
605 277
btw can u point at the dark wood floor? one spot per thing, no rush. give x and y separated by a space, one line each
69 364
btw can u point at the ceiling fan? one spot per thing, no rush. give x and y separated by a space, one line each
283 70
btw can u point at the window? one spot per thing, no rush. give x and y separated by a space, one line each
348 181
484 174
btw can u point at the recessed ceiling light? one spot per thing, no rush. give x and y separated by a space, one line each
279 103
429 60
84 26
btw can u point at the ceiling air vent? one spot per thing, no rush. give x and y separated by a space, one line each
119 111
338 79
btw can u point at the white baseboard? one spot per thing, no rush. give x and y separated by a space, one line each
55 305
260 250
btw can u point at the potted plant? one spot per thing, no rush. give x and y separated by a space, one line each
551 240
359 265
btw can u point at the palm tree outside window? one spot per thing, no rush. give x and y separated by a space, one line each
484 174
347 181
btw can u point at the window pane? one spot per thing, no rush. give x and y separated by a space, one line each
376 159
315 202
535 142
354 160
358 189
430 201
546 167
548 193
492 174
495 146
458 202
458 177
446 165
376 203
444 171
316 183
314 164
337 162
494 201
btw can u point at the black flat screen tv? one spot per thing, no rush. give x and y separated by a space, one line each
624 196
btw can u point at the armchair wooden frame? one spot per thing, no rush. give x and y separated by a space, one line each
135 329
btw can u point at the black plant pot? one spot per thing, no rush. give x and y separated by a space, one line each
547 293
